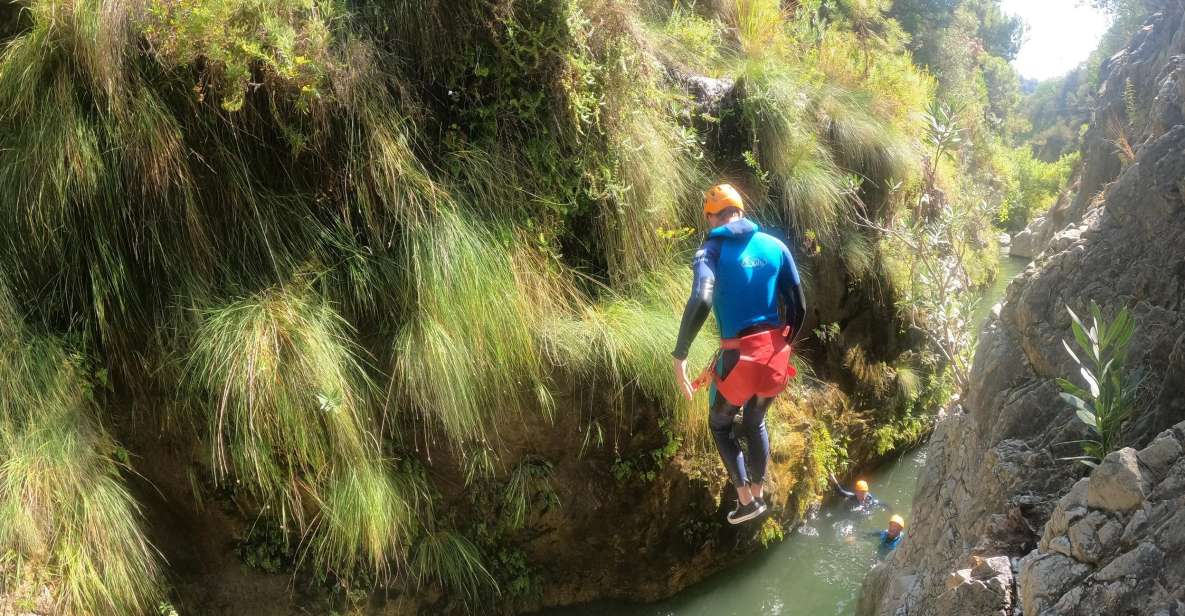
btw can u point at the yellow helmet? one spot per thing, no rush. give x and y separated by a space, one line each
862 486
722 196
898 520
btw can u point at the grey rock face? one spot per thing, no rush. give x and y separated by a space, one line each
1117 484
1033 238
1112 542
984 588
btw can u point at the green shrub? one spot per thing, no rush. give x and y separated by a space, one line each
262 206
527 489
1108 401
1032 185
287 41
689 39
286 393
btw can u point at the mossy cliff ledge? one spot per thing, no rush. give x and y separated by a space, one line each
1000 525
315 306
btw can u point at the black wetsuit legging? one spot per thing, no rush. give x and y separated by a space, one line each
720 419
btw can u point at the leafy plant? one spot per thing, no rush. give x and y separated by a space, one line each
449 558
527 490
1107 401
771 532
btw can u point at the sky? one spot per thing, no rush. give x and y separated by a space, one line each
1060 34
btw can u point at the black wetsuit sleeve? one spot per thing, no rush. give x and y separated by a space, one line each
698 306
790 290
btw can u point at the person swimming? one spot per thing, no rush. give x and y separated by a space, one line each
892 536
860 497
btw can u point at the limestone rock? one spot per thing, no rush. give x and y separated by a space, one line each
1112 542
1140 562
1032 239
1118 484
1044 578
1163 451
958 578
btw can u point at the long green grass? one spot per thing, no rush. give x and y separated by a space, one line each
467 356
370 513
448 558
265 208
65 512
621 346
287 393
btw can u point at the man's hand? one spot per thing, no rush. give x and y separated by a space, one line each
681 378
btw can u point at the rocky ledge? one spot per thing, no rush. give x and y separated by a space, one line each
1115 544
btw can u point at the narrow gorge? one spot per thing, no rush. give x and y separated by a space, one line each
363 307
1003 525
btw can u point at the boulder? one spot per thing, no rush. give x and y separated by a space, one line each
984 589
1031 240
1044 578
1118 484
1161 454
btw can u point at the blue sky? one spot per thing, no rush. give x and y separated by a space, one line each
1061 33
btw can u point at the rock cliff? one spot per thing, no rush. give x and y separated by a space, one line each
1000 525
1130 82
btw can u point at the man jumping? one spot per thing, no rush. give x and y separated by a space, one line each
740 274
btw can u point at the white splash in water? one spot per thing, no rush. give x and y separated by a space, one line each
845 529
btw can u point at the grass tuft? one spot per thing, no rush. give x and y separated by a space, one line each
370 514
286 393
450 559
64 510
468 355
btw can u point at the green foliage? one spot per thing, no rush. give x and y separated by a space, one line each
476 297
287 41
65 513
646 465
906 431
288 395
1108 401
1032 185
771 532
828 453
370 513
289 412
450 559
929 22
335 229
266 548
693 40
622 344
944 130
527 490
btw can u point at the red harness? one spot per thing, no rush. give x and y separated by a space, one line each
763 368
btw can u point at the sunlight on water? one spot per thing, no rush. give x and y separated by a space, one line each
817 571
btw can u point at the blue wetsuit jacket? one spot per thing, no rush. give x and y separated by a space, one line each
740 274
888 543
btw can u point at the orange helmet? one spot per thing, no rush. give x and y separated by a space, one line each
862 486
722 196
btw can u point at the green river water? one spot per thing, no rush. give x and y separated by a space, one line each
818 569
